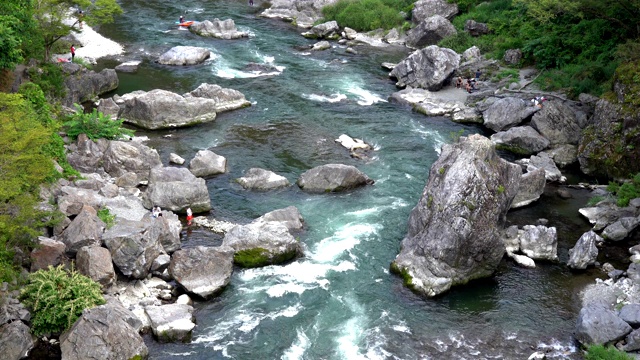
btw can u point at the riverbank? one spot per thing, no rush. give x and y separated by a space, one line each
90 45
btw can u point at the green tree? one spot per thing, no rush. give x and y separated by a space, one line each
52 17
18 33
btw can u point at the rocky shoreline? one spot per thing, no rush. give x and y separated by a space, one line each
456 231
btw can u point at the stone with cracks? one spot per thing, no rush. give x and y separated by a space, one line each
523 140
272 239
429 32
261 179
558 123
85 230
424 9
104 333
122 157
428 68
184 55
507 112
85 84
171 322
454 231
48 252
95 262
531 187
220 29
597 325
585 252
289 216
539 242
332 178
621 229
176 189
225 99
15 340
203 271
207 163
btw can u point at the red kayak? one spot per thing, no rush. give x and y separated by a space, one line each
186 23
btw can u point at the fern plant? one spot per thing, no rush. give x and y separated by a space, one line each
57 298
95 125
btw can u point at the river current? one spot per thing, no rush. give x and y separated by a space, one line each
339 301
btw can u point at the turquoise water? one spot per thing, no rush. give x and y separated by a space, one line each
339 301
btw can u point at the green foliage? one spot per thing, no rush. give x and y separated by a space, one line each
407 280
513 74
106 217
600 352
95 125
627 191
57 297
18 33
500 189
82 62
252 258
34 94
50 79
595 200
367 15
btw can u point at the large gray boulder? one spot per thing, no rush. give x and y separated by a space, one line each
122 157
48 252
539 242
85 155
563 155
171 322
598 325
523 140
507 112
327 30
95 262
558 123
203 271
266 243
176 189
220 29
585 252
332 178
166 229
621 229
454 230
207 163
428 68
423 9
15 340
261 179
289 216
162 109
303 13
184 55
85 230
429 32
133 247
531 187
225 99
103 332
544 161
83 85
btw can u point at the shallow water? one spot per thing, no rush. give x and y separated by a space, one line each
339 301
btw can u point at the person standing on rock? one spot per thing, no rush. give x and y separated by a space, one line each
189 216
250 2
73 52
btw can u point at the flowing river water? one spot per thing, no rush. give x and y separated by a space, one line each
339 301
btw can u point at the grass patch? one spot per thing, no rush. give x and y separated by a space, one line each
367 15
600 352
625 192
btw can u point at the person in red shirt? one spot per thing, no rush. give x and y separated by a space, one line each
73 53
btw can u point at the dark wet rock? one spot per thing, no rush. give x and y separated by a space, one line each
585 251
630 313
597 325
176 189
429 32
523 140
207 163
201 270
531 187
220 29
103 333
261 69
96 263
261 179
333 178
184 55
428 68
454 231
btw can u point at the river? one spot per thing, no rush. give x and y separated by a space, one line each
339 301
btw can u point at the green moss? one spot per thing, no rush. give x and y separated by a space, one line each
258 257
407 280
441 171
500 189
600 352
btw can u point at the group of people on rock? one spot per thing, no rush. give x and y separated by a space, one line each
469 84
156 212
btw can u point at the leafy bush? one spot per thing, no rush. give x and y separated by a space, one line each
34 94
106 217
50 79
95 125
600 352
57 297
626 191
367 15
